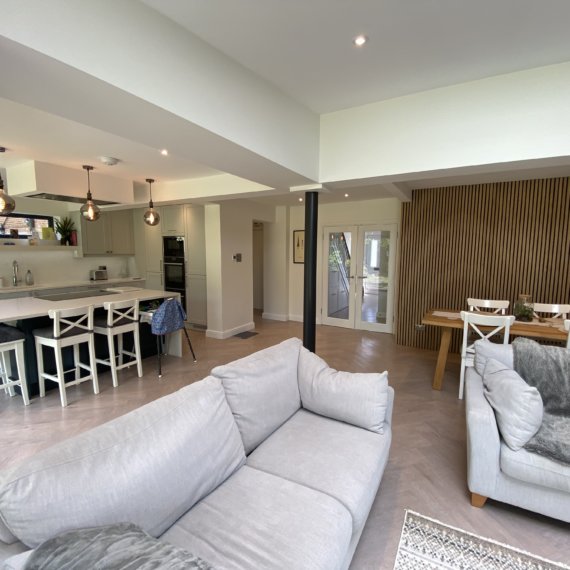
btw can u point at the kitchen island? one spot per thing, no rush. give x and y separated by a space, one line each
29 313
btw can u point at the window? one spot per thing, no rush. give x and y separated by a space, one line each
21 226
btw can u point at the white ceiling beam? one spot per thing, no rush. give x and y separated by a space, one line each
399 190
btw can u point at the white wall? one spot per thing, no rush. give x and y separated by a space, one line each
516 117
276 266
345 213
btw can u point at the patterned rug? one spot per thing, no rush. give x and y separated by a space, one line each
427 544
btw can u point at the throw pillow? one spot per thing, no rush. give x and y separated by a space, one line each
485 349
518 406
360 399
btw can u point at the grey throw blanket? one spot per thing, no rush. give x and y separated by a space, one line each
122 546
547 368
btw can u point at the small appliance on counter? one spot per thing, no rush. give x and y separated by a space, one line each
99 274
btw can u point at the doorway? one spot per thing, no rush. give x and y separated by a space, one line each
358 276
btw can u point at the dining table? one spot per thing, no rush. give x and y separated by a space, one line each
448 319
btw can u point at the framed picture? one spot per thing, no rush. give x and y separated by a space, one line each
298 246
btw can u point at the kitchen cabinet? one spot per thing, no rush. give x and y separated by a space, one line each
196 300
172 220
154 281
153 248
111 234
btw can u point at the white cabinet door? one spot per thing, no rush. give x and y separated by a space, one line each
153 248
172 220
94 236
195 240
121 232
154 281
196 299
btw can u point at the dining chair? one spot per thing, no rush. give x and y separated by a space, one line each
122 317
488 306
472 322
553 311
71 328
567 327
12 339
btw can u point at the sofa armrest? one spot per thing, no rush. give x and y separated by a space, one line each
483 440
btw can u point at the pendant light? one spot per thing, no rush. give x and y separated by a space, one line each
7 203
151 216
90 211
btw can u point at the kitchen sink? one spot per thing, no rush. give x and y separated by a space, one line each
73 295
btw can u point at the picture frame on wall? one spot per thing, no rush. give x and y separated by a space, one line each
298 246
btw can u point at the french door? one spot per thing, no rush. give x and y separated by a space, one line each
358 276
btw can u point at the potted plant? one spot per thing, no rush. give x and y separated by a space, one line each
64 227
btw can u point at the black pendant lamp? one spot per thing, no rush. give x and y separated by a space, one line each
7 203
151 216
90 211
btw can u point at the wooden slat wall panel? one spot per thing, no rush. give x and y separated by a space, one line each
489 241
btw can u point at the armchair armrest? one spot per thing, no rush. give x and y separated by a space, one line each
483 440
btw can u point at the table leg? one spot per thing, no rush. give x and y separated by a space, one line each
441 358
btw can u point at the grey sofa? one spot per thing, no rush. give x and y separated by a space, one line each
273 461
521 478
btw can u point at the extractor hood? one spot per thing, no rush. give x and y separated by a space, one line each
36 179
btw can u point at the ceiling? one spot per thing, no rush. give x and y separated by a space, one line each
304 48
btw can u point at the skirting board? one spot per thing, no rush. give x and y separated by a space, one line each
274 316
230 332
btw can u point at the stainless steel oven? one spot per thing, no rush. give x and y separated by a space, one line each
174 266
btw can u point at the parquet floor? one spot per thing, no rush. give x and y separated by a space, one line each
427 467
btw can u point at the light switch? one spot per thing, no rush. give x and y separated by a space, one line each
237 257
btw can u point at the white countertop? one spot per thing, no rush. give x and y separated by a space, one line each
103 283
28 307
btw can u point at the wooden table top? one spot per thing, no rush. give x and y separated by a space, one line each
551 329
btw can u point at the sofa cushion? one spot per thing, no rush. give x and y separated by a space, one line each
535 469
518 406
257 520
147 467
356 398
485 349
262 390
343 461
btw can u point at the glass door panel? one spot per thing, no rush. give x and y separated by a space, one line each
338 282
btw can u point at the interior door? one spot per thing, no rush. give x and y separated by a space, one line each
358 276
338 281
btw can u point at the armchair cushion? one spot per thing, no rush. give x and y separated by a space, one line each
360 399
518 406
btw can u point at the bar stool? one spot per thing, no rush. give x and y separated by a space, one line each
71 327
122 317
13 339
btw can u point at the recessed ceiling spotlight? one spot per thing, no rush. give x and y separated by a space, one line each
164 152
360 40
300 199
346 195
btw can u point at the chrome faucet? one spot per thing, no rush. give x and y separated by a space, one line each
15 279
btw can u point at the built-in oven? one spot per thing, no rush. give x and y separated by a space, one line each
174 266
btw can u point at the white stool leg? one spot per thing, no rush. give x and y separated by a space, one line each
93 363
76 361
60 375
40 359
21 366
7 372
120 348
112 359
137 340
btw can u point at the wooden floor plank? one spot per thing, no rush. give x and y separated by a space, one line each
427 467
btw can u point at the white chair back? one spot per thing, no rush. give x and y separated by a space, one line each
567 327
71 322
553 311
488 306
122 312
473 323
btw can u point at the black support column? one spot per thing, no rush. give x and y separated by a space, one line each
310 282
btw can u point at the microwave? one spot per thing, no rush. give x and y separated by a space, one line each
173 248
